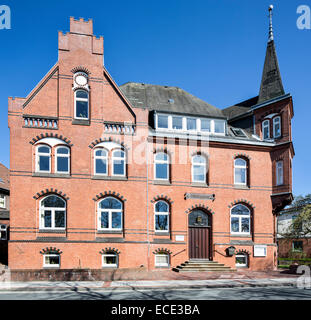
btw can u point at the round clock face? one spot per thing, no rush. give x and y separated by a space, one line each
81 80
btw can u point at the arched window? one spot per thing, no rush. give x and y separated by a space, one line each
241 260
52 213
43 158
118 163
161 216
266 129
110 212
240 171
81 104
199 169
240 220
161 166
62 159
100 161
277 127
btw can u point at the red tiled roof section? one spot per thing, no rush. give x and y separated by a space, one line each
4 177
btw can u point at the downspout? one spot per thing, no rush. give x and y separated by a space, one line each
147 203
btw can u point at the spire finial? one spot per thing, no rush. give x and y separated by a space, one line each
270 25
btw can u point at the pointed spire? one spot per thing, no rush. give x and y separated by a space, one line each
270 25
271 83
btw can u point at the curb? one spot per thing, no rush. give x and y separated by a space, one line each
173 287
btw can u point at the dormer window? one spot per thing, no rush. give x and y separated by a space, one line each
82 104
192 125
266 129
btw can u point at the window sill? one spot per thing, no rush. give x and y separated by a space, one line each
109 267
199 185
241 187
162 267
51 175
240 235
157 233
52 231
109 240
109 232
53 268
81 122
162 183
109 178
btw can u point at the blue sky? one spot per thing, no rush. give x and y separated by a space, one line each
212 49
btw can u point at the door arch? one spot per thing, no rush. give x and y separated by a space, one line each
200 234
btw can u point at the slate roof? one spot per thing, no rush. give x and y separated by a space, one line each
271 83
168 99
240 108
4 177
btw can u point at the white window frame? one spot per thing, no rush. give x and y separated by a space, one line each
167 162
244 265
240 167
275 122
198 121
182 123
62 156
100 158
105 265
196 124
240 221
83 100
38 154
2 201
279 173
214 126
161 264
110 211
198 164
157 121
119 158
162 214
45 265
52 209
265 124
211 126
4 228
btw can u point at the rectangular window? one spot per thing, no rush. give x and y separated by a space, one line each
2 201
109 260
161 222
177 123
161 171
279 173
240 176
241 260
118 167
206 125
198 173
297 246
3 232
219 126
44 163
162 260
277 127
51 260
191 124
101 166
162 122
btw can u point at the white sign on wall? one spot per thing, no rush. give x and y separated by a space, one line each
180 238
260 251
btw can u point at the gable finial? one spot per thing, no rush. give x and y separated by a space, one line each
270 24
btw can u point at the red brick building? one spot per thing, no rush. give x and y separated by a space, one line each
144 175
4 213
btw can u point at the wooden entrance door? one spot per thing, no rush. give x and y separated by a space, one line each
199 235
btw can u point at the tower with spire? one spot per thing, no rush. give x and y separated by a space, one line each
268 117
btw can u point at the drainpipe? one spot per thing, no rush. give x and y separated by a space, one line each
147 204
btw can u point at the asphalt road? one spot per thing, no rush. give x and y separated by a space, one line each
246 293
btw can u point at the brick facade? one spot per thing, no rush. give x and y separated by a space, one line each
47 117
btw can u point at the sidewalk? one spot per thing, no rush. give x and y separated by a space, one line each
165 280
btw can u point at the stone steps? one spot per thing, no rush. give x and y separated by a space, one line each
201 265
